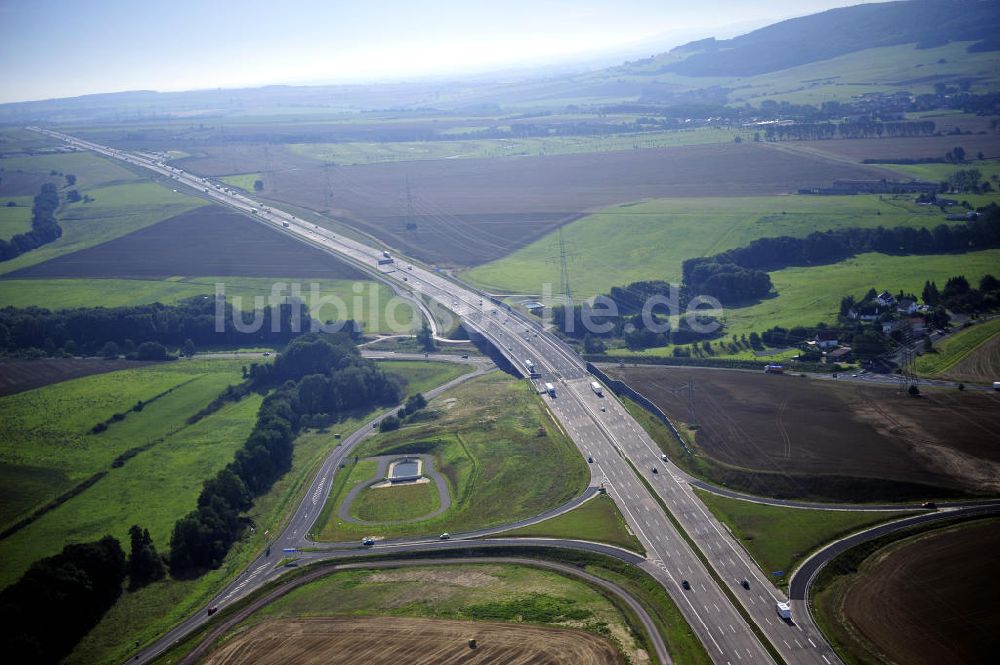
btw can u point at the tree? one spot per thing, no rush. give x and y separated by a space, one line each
189 349
388 424
593 344
755 342
151 351
426 338
144 564
913 390
931 296
258 185
71 179
73 196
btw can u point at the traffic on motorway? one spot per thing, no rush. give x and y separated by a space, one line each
729 602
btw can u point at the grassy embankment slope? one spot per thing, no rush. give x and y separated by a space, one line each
779 538
598 519
496 445
957 347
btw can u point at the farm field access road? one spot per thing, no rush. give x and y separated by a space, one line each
599 426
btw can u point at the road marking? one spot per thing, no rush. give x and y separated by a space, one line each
827 660
811 642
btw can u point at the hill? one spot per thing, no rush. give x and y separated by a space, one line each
799 41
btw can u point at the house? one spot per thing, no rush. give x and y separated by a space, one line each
864 313
885 299
826 339
906 306
839 355
889 326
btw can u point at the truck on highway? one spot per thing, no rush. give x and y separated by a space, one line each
530 366
597 388
386 254
285 224
996 385
550 389
289 550
774 369
784 611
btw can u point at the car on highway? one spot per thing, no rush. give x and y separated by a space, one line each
745 583
368 541
929 505
686 585
663 457
445 536
590 459
212 610
654 470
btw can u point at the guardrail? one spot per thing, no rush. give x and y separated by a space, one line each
621 388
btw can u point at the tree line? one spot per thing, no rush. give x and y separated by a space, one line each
316 375
89 330
60 598
767 254
818 131
44 228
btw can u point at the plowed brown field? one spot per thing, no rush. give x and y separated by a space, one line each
394 640
982 365
933 600
796 426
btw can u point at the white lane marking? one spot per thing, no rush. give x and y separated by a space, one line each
811 642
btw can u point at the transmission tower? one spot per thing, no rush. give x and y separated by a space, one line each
692 414
328 193
268 171
411 223
563 257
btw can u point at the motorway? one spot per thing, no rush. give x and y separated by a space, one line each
715 603
612 437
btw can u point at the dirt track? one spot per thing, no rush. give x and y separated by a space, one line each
395 640
932 601
793 425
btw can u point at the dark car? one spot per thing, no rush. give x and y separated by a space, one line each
746 584
590 459
654 470
686 585
929 505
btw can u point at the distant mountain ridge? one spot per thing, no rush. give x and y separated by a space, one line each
799 41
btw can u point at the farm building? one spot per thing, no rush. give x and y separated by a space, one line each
826 339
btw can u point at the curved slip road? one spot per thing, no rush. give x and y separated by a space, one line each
231 621
685 539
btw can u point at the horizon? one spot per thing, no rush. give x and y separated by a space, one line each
104 47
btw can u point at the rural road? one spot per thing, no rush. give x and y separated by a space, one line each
682 539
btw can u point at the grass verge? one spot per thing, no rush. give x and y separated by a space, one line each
598 519
779 538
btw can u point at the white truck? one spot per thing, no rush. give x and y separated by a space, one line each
996 385
550 389
784 611
597 388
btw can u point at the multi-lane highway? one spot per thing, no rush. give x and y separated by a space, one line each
704 569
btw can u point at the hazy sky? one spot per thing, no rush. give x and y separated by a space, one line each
61 48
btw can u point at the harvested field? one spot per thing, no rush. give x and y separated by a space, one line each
470 211
17 376
931 600
914 147
801 432
206 241
390 640
981 365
